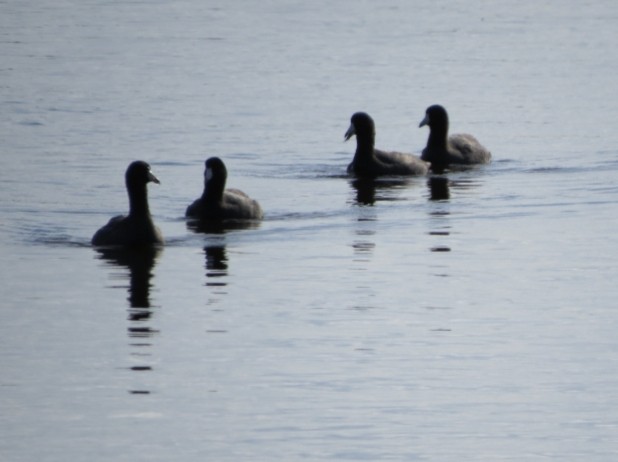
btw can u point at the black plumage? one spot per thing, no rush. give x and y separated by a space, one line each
443 150
371 162
218 203
137 228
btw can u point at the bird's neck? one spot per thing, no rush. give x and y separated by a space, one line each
138 200
364 147
213 190
438 137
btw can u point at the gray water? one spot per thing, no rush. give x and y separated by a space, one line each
464 317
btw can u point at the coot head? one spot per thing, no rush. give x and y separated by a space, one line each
214 168
435 116
361 125
139 173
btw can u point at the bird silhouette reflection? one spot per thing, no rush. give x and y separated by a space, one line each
139 262
438 188
216 264
370 190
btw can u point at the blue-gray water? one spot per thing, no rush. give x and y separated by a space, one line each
470 317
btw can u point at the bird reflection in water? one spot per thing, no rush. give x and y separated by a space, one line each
370 190
216 257
140 263
216 265
438 188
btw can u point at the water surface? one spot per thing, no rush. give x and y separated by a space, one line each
467 316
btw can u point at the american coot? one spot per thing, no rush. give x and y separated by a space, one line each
443 150
137 228
218 203
371 162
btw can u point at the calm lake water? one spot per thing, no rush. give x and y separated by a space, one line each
464 317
